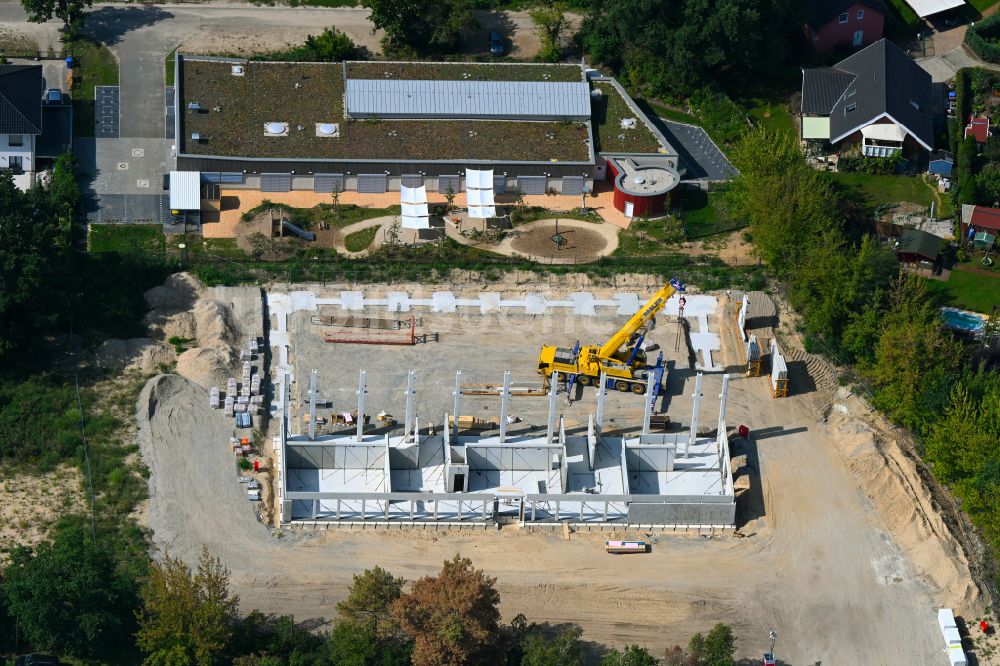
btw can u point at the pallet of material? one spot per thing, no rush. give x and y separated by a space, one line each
320 420
625 547
253 345
231 386
473 423
229 405
213 397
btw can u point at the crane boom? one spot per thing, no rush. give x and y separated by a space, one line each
640 318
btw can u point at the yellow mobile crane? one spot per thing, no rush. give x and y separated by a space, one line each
621 358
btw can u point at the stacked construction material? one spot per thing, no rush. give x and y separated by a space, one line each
229 404
231 386
213 397
952 639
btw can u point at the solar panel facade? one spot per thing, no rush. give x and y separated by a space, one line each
495 100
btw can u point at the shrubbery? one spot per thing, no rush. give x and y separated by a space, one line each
873 166
984 38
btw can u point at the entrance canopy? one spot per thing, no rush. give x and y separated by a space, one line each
884 132
185 190
925 8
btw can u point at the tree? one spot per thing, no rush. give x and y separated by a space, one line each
988 185
330 46
675 47
70 12
369 602
32 261
353 645
452 617
187 618
631 655
68 595
423 27
565 649
716 649
550 21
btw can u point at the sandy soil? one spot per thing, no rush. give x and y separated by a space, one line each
30 503
843 551
580 242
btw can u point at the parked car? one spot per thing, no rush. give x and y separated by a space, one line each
496 44
37 660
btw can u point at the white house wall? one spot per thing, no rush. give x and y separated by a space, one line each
27 155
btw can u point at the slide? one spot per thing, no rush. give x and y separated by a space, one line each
298 231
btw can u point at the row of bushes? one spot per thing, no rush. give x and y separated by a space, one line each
984 38
873 166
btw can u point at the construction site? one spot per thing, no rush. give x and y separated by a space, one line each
564 417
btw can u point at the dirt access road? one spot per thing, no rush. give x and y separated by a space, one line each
821 564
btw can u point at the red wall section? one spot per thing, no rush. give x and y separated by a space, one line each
835 32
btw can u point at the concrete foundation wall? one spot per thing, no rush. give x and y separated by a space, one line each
511 458
335 456
684 513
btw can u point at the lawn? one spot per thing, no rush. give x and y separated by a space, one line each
772 116
884 190
982 5
126 238
94 65
360 240
168 68
970 291
704 214
337 217
649 237
608 111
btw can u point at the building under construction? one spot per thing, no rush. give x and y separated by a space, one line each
456 474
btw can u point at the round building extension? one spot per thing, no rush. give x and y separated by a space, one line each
643 188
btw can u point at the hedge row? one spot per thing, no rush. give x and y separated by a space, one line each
984 38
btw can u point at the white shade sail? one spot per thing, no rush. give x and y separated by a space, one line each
884 132
413 204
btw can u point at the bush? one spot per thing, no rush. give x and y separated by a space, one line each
984 38
873 166
719 113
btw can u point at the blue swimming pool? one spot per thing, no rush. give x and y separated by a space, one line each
962 321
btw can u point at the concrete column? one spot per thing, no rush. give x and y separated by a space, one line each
647 408
408 425
312 405
723 398
551 423
694 415
601 393
361 405
458 401
504 406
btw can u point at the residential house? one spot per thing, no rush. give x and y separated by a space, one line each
977 219
20 120
916 246
979 128
832 23
878 98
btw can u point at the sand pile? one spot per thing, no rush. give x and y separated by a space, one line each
206 366
143 354
917 521
214 325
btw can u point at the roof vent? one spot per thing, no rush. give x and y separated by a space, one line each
628 123
597 92
327 129
237 70
194 106
639 180
196 136
276 129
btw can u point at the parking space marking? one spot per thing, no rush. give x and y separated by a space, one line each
123 166
142 182
106 110
137 152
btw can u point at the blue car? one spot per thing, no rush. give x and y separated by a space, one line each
496 44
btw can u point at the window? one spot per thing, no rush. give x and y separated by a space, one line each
850 108
15 164
843 17
852 92
15 140
861 15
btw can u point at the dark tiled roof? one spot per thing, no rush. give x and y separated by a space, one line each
821 88
916 241
21 99
821 12
883 80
